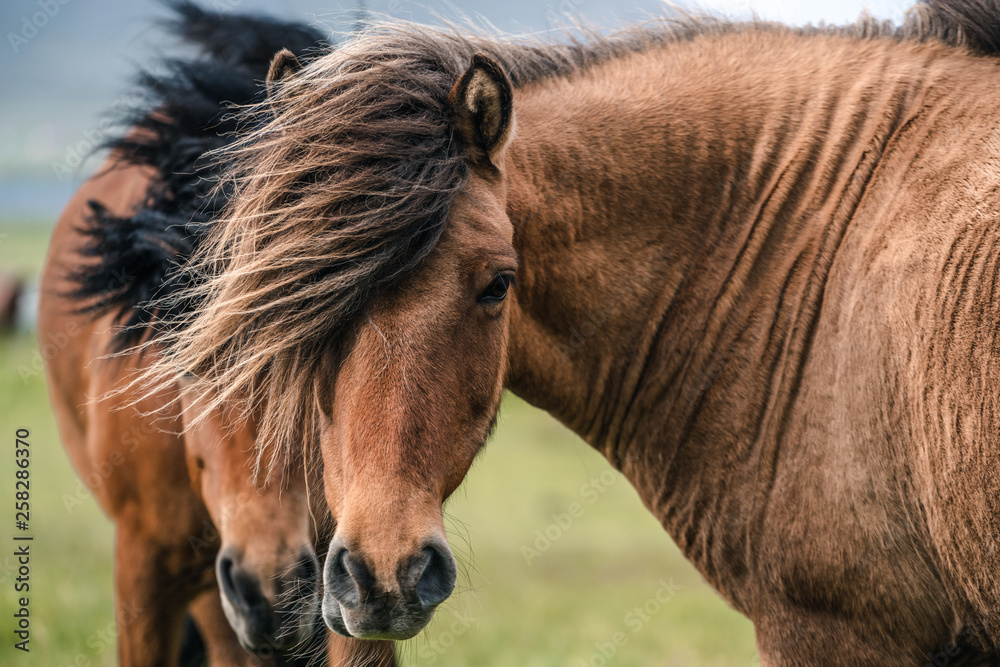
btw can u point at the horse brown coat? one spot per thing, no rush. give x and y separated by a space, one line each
756 269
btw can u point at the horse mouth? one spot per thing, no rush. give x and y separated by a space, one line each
335 619
260 650
375 626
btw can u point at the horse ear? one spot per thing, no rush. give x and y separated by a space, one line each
283 65
482 102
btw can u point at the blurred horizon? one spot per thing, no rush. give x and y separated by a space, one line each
67 65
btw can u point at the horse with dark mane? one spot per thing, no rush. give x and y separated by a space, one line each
755 266
195 528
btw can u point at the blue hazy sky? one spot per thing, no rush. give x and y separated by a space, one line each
801 12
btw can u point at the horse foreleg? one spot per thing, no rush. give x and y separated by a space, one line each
153 585
221 644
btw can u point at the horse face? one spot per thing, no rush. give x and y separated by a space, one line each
416 395
266 569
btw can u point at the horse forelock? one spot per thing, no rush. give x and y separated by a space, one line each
345 186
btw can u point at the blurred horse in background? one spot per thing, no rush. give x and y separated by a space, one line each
185 506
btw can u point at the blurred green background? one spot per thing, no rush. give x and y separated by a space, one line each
559 609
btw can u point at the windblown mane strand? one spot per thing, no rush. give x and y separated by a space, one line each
346 183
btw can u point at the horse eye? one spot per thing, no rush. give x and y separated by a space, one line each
497 289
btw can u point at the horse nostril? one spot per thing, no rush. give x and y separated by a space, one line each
348 578
224 570
242 589
437 580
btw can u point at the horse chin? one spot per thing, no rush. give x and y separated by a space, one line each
261 651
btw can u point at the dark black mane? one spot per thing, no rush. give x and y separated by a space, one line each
182 114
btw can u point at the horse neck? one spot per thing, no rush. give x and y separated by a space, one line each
675 213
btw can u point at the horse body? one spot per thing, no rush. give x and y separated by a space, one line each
167 530
760 375
135 468
717 307
753 269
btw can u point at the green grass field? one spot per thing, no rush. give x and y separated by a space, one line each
560 600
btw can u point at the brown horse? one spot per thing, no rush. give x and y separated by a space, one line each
755 267
167 530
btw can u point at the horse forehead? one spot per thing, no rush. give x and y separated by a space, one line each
479 212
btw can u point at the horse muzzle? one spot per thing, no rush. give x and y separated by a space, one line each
357 604
270 613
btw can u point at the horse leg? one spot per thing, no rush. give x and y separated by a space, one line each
152 591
